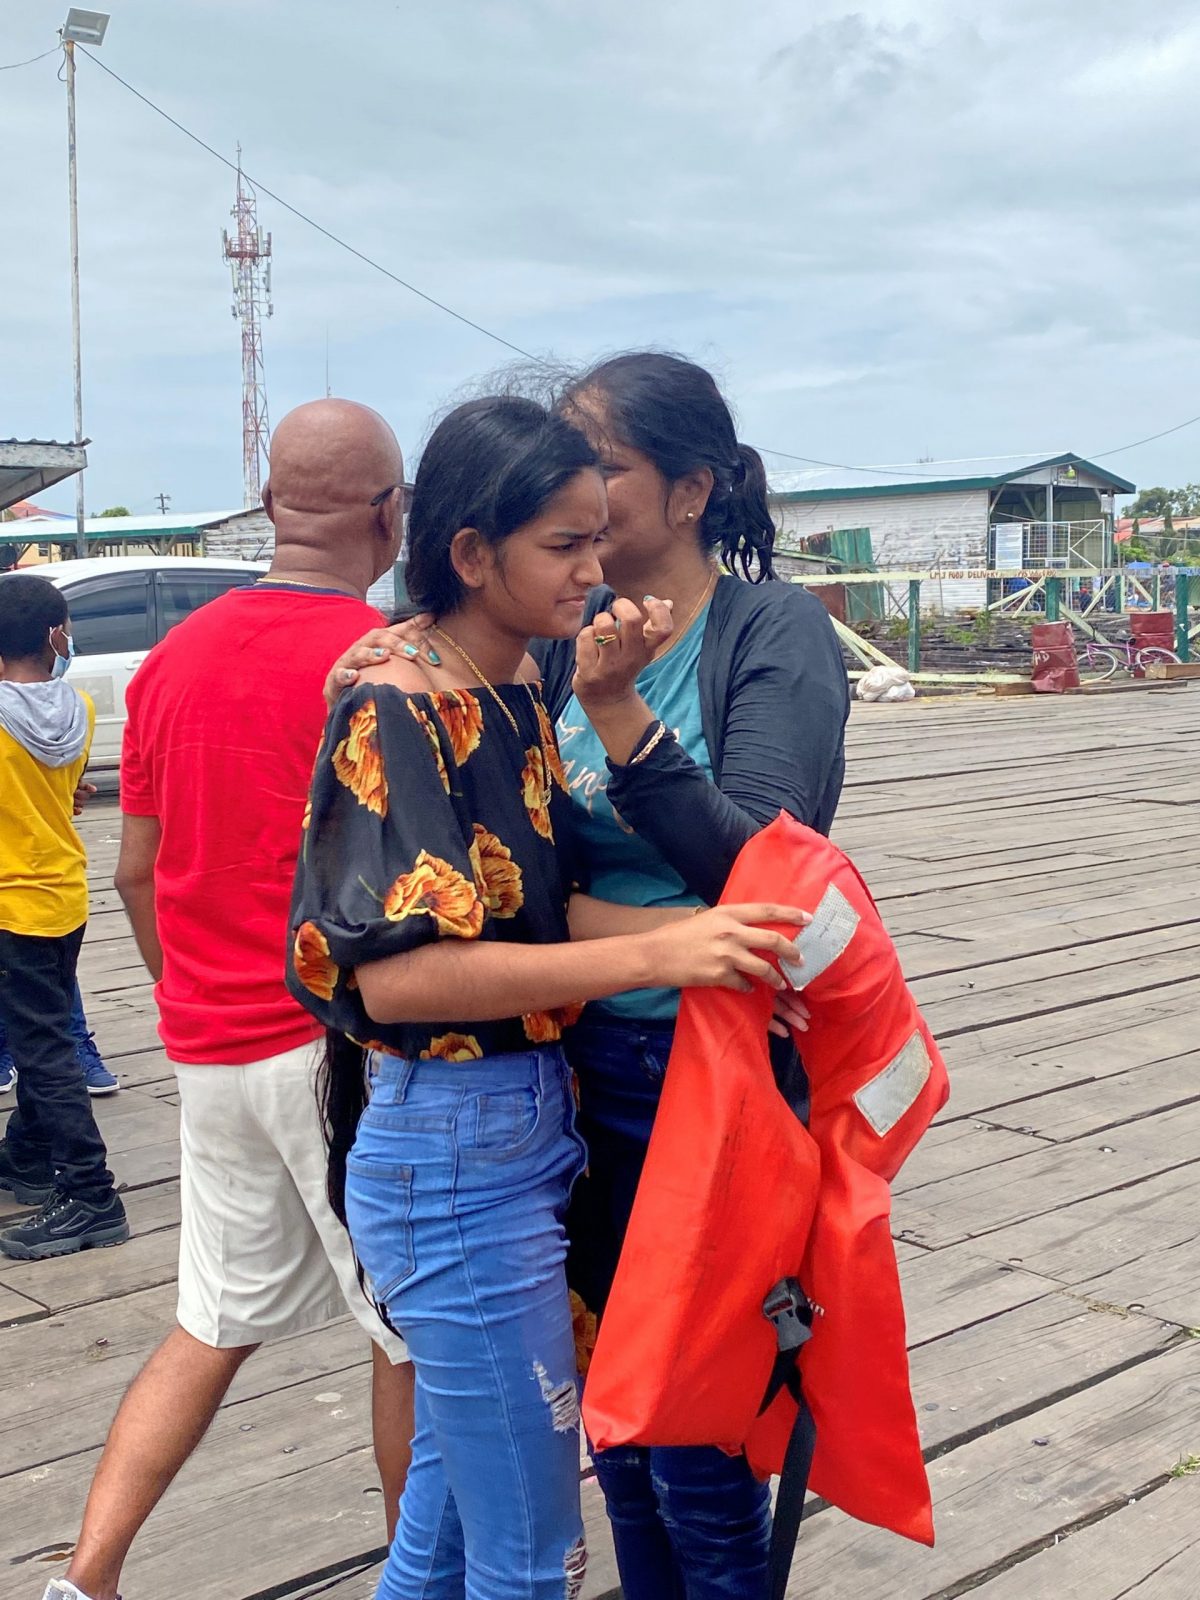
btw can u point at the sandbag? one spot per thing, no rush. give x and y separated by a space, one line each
888 684
737 1194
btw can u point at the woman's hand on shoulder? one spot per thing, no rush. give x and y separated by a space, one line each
404 641
410 675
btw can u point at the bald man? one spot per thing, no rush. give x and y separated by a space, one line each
214 776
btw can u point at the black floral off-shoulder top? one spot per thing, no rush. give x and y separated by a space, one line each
428 819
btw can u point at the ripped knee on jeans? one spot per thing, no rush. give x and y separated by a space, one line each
562 1398
575 1567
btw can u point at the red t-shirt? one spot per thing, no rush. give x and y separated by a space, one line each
225 716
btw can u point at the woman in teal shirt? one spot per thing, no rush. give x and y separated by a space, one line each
622 866
671 769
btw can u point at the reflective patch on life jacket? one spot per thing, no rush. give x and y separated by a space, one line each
891 1092
824 940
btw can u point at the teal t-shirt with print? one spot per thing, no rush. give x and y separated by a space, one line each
622 866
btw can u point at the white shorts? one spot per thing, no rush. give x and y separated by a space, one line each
261 1254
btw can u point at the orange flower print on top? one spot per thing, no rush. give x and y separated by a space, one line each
535 783
315 967
374 1044
436 889
463 718
435 744
498 875
358 763
550 746
546 1027
453 1047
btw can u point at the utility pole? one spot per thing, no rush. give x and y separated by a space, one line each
248 251
164 501
86 27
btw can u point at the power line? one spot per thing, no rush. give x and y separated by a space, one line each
312 223
1099 455
13 65
842 466
1086 455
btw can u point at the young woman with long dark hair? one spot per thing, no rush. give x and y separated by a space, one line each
436 925
672 764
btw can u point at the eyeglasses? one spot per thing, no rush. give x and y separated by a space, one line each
405 494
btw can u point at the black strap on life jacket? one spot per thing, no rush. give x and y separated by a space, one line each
791 1312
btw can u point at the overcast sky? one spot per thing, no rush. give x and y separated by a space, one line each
913 229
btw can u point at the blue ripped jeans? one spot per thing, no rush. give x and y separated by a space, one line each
456 1191
688 1523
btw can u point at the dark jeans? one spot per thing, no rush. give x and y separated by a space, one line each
52 1134
79 1027
688 1523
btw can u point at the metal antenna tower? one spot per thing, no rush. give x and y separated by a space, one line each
248 252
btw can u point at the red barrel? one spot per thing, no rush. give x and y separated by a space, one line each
1151 630
1055 669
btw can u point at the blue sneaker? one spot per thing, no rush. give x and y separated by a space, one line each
8 1073
99 1079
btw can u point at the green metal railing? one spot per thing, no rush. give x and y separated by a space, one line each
1055 588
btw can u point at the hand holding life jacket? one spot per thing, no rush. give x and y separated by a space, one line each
736 1196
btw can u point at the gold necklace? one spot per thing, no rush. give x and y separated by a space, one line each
677 637
458 649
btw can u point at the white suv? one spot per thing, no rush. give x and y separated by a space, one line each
120 607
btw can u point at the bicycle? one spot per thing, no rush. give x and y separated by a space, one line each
1100 662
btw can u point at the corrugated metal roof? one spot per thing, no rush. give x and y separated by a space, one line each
27 466
26 508
925 477
59 444
127 527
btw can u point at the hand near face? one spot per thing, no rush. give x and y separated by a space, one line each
617 646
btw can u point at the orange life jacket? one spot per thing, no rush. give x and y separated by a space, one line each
737 1197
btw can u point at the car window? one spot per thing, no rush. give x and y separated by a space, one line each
110 615
180 593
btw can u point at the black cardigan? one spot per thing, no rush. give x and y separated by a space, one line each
774 699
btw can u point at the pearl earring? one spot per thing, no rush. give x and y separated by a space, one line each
691 516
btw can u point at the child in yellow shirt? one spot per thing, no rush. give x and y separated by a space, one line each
52 1156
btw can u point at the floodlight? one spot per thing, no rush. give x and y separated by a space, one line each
85 27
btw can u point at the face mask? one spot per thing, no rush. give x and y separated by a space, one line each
61 663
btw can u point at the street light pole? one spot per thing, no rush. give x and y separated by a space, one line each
81 27
76 349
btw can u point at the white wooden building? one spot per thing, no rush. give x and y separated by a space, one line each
995 515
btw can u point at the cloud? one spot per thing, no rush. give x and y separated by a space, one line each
900 228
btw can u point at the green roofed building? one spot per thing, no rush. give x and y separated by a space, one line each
993 515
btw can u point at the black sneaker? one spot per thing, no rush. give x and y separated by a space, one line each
65 1224
31 1186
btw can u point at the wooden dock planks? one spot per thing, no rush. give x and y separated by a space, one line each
1039 863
